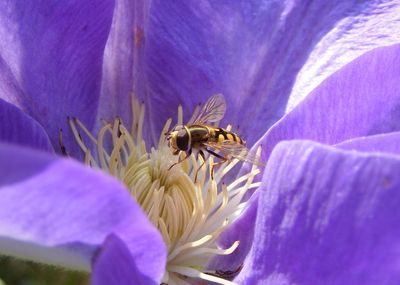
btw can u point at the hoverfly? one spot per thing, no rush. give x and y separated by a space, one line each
200 135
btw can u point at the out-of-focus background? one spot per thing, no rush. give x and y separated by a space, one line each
17 272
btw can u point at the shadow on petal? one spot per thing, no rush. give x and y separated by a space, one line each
17 127
114 265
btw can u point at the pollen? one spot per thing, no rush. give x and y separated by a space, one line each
189 213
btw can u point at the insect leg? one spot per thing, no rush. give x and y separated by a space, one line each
223 159
201 153
189 152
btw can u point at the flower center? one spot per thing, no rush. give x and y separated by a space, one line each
190 214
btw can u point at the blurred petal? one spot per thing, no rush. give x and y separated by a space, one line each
361 99
115 266
251 51
18 128
326 216
368 25
123 57
389 142
58 211
54 50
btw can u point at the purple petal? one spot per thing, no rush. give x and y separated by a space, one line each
379 143
9 85
122 60
54 50
361 99
17 127
251 51
58 211
115 266
366 26
326 216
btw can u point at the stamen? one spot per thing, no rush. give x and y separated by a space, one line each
167 125
180 115
82 126
208 251
61 144
140 124
190 214
77 136
102 154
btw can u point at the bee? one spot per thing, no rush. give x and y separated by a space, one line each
201 135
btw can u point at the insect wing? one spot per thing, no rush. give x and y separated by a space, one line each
237 150
213 111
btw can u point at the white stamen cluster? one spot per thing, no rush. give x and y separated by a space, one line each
189 215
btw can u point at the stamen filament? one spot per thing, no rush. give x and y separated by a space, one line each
206 251
180 115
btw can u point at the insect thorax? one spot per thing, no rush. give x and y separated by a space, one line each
199 134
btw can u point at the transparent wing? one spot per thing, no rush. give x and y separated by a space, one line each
213 111
234 149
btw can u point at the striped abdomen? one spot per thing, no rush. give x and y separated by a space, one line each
219 135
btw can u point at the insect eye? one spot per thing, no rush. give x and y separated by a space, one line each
182 139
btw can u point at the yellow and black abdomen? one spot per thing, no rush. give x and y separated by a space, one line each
219 135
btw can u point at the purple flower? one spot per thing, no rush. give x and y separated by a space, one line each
314 83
